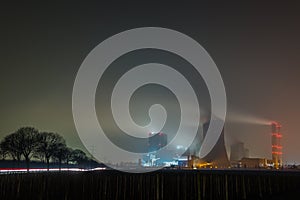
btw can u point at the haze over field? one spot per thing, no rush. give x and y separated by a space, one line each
255 48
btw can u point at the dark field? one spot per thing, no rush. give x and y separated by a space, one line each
163 184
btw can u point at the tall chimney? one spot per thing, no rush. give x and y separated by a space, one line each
276 145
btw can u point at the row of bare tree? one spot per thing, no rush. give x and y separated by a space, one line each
28 143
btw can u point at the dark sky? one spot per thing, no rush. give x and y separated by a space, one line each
256 47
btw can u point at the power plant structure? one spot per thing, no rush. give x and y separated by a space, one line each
218 155
157 141
238 151
276 145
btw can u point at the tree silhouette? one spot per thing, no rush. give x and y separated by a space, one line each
67 155
11 146
61 153
27 141
2 154
48 145
78 156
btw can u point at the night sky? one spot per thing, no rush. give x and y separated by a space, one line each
255 46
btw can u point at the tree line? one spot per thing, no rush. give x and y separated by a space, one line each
28 143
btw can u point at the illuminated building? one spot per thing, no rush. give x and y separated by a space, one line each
156 141
254 162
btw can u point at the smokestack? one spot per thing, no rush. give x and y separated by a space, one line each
276 144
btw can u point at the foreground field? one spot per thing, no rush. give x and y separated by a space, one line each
164 184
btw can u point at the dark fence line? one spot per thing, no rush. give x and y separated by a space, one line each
164 184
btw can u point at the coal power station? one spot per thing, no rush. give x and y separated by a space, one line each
217 157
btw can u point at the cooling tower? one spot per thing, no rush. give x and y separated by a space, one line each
218 155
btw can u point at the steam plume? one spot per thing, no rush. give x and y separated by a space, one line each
236 117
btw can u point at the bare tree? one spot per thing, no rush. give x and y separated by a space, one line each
27 142
78 156
67 155
26 139
60 154
48 145
3 154
10 146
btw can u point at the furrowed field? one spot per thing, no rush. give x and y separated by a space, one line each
163 184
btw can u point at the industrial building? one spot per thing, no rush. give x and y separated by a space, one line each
253 162
238 156
217 157
156 141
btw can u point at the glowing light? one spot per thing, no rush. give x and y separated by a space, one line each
276 152
277 146
21 170
179 147
278 135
